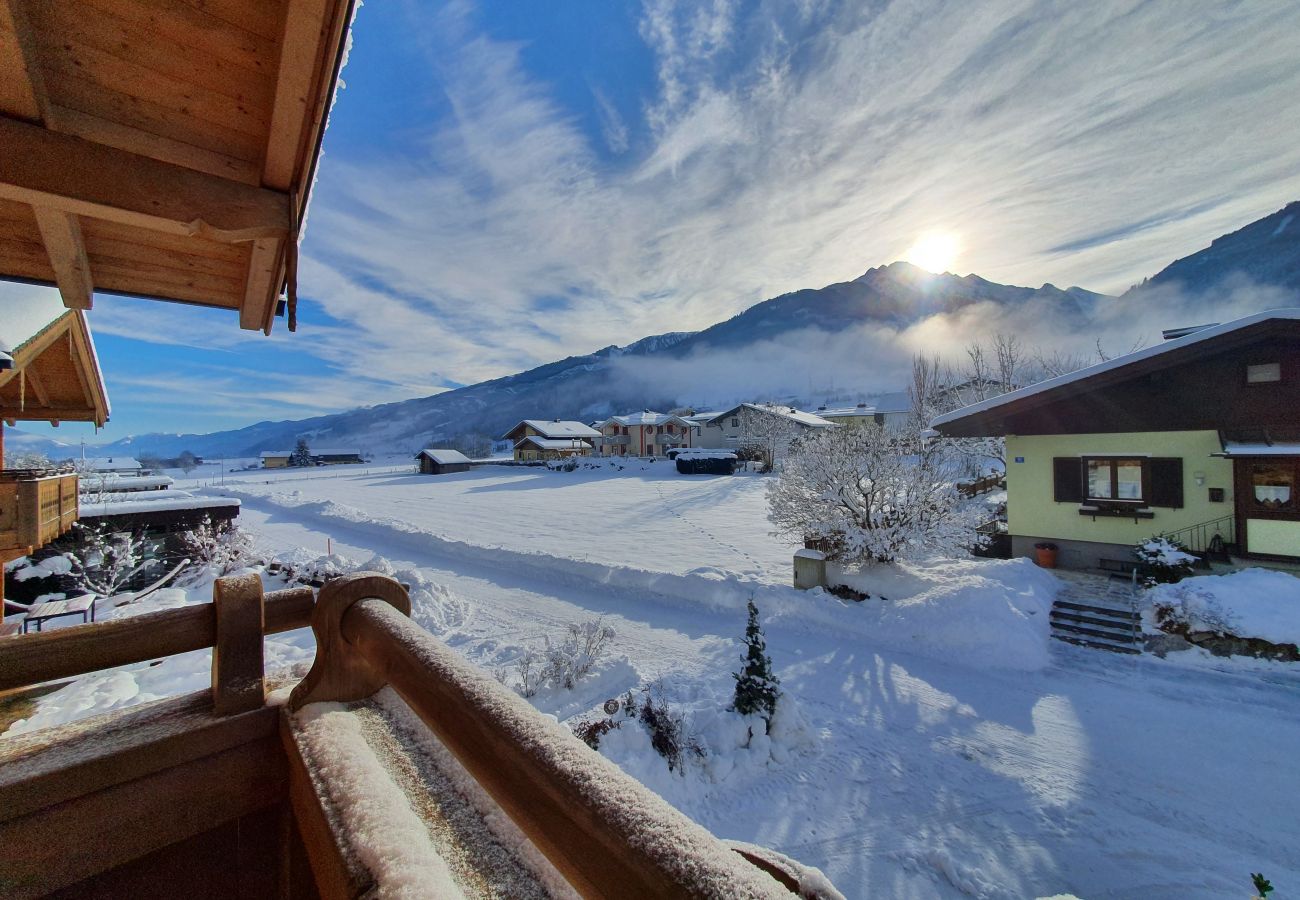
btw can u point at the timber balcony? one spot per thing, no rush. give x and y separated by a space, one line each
245 791
35 508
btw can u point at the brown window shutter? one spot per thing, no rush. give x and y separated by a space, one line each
1166 482
1067 479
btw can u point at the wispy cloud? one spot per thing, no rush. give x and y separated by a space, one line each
778 146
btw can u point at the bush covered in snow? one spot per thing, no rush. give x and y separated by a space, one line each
874 495
562 665
1164 560
217 548
104 561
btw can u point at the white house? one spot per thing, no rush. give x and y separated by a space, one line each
120 465
766 427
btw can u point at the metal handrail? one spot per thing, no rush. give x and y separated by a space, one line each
1196 538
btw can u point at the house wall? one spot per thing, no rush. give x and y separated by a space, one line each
1033 514
275 462
1273 536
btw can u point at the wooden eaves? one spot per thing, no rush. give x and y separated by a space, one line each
161 148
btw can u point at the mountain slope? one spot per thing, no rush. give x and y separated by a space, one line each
586 387
1265 252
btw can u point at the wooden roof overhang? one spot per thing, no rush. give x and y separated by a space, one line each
1196 386
55 377
163 148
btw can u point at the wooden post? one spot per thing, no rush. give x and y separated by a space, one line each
339 672
238 679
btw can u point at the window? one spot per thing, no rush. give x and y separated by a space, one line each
1113 479
735 422
1272 486
1264 373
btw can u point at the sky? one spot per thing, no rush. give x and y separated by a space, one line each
508 183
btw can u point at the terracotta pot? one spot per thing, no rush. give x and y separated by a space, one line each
1045 556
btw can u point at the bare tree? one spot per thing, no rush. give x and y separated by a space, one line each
766 432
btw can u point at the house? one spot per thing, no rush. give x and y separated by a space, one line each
279 459
862 414
768 428
49 372
893 410
1197 438
538 439
442 462
113 465
644 434
336 457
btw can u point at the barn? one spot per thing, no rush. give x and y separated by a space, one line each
442 462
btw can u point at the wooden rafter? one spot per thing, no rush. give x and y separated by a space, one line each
22 91
46 169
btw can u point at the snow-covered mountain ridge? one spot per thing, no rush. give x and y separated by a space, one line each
1266 252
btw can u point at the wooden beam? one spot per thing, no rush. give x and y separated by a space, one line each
61 233
38 387
22 88
263 285
46 169
238 684
300 45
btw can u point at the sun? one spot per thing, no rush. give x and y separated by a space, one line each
935 251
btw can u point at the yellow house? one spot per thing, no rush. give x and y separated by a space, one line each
539 439
1197 438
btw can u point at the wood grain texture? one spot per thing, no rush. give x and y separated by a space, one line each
61 233
238 683
339 673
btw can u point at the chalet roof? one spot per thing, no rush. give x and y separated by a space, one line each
54 375
646 418
979 416
806 419
556 428
445 457
113 464
844 412
163 150
556 443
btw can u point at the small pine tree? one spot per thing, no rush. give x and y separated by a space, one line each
301 455
757 689
1263 887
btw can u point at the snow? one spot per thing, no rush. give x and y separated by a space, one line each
919 761
1261 448
786 412
385 832
1162 552
557 428
1251 603
445 457
1116 363
157 501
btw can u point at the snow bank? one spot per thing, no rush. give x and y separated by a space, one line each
1252 603
974 612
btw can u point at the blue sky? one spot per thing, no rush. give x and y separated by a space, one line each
508 183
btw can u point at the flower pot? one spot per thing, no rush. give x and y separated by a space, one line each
1045 555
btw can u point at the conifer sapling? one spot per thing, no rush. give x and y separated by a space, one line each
757 689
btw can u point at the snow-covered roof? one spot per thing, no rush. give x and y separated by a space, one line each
557 443
700 453
645 418
137 483
1261 448
807 419
275 454
894 402
159 501
334 451
445 457
113 464
845 412
27 316
702 417
1119 362
557 428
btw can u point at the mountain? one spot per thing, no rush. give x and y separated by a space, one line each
588 387
1266 252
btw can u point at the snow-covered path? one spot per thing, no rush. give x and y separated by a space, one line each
1102 776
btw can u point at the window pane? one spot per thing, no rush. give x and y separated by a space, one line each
1130 479
1263 373
1099 479
1273 485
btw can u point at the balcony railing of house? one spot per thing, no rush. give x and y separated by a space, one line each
36 506
91 800
614 440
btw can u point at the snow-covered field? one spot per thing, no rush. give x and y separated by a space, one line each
929 745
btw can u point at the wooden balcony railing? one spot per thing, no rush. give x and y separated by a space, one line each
182 774
35 508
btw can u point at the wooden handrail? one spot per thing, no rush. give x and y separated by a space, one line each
68 652
605 832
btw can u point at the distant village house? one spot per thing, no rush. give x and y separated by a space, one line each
442 462
644 434
279 459
538 439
